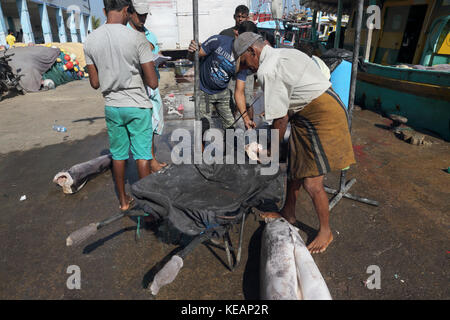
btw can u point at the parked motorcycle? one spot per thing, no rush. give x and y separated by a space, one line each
8 80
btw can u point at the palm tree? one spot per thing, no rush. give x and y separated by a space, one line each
95 22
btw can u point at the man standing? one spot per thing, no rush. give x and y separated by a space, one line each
217 67
138 13
240 15
296 91
120 63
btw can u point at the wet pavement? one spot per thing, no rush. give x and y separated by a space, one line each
407 236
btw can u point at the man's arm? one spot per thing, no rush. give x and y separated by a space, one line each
150 77
239 97
146 58
93 76
281 125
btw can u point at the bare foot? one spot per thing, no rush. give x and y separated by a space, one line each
127 203
321 242
155 166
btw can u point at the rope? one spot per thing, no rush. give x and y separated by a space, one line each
138 232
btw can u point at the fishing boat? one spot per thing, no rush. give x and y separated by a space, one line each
407 64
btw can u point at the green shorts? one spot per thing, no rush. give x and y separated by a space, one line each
129 128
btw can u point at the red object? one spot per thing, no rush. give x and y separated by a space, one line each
69 65
181 107
67 57
76 62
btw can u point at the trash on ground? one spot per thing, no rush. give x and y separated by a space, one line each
59 128
22 198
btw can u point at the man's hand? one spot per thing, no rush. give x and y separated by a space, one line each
249 124
93 76
193 46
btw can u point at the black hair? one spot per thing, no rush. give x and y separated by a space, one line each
268 36
116 5
242 9
247 26
308 48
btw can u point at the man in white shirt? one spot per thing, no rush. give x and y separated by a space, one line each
296 91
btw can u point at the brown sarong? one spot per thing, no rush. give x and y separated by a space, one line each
320 139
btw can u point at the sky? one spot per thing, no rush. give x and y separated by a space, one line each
97 9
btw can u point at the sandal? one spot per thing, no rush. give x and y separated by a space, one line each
131 204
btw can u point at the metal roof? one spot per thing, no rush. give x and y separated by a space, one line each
328 6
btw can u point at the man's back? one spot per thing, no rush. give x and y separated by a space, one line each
118 52
218 67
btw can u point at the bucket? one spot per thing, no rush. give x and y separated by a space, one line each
182 66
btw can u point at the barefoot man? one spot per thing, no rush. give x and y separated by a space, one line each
296 91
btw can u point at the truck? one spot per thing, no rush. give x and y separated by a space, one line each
172 20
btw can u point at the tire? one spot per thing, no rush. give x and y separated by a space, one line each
20 89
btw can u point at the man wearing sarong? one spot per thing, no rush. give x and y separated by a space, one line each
296 91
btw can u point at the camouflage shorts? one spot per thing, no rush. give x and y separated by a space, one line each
221 102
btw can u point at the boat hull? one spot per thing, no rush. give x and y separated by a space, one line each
422 96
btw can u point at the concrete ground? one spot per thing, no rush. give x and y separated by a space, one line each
407 236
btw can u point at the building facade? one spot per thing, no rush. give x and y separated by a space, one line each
45 21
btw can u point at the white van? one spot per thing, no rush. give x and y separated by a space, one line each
172 21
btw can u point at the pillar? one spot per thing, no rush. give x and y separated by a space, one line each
73 27
89 29
61 28
82 28
45 22
28 36
3 29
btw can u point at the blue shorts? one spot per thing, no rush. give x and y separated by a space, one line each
129 128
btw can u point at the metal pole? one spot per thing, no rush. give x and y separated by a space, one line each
345 186
337 38
351 103
313 26
196 62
